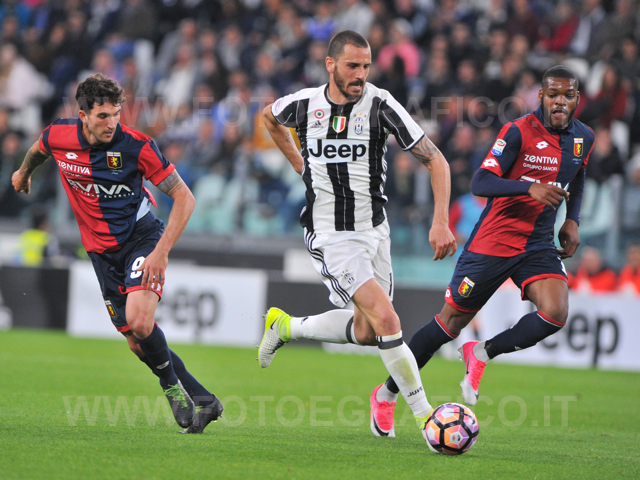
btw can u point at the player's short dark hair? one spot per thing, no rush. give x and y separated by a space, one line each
560 71
347 37
98 89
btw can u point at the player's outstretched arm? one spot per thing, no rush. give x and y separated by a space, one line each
282 136
21 178
440 237
156 262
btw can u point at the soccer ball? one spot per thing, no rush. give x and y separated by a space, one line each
452 429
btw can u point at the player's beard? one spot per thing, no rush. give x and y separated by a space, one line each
546 115
342 87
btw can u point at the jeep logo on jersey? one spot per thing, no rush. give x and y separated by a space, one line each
97 189
337 151
114 160
339 123
577 146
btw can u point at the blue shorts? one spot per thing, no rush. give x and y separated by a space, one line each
117 271
478 276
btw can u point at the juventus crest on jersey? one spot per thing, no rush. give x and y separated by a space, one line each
343 147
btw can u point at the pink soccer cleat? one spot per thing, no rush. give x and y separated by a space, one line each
381 416
473 375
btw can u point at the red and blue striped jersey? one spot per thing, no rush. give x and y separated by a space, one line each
104 182
528 151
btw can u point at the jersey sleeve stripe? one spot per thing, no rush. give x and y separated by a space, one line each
44 140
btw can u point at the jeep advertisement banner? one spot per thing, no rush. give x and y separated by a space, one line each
199 305
601 331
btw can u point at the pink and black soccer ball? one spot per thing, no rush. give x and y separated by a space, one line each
452 429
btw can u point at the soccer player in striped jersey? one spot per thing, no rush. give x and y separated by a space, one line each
343 128
102 164
537 161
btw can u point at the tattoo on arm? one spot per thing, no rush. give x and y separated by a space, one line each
290 139
425 150
34 158
171 184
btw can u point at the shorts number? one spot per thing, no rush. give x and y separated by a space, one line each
136 265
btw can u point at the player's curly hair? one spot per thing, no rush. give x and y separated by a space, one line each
98 89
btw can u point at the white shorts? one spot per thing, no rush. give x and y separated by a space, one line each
347 260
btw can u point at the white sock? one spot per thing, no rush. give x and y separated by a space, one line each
334 326
480 352
386 395
402 366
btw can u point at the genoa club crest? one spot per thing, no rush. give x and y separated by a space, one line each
111 309
114 160
339 123
465 287
577 146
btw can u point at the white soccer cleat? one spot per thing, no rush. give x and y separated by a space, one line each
277 332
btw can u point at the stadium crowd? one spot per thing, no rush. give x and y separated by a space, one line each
198 72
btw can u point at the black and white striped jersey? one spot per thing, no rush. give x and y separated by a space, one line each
343 147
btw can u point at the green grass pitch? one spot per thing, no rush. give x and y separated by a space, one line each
305 417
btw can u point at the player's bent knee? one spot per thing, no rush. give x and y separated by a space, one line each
140 327
557 313
388 324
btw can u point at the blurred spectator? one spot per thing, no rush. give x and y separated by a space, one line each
608 105
523 21
322 25
461 45
355 15
629 280
438 81
502 87
137 20
415 13
605 159
230 47
37 244
103 17
498 49
11 156
564 23
629 63
463 216
185 34
527 91
400 188
21 88
16 9
177 88
591 16
401 46
592 276
395 81
616 26
314 69
458 153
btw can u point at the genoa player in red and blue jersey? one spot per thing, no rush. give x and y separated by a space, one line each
536 162
102 164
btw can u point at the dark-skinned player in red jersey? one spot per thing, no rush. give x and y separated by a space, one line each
536 162
102 164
